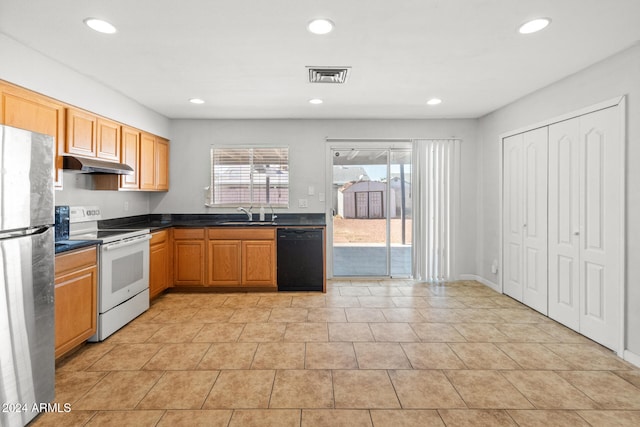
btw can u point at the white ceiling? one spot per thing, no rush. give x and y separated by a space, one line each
247 58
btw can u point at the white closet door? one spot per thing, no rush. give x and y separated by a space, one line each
512 217
525 218
600 236
534 242
585 199
564 223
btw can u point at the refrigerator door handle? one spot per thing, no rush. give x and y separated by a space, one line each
24 232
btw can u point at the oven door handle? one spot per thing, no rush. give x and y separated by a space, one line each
125 243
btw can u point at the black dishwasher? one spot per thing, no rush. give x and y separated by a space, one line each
300 261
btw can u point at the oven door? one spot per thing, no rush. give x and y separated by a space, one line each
124 270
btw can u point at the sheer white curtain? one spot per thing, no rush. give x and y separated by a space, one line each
436 169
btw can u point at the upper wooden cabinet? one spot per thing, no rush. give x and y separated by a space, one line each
154 163
130 155
108 141
92 136
24 109
162 164
81 133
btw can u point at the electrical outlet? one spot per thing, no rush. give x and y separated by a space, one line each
303 203
312 190
494 266
126 206
321 197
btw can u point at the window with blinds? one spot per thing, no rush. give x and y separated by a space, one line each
251 176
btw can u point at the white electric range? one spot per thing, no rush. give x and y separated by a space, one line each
123 265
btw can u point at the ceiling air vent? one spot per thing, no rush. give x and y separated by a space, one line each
328 74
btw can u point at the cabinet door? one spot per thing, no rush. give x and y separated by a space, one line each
188 266
23 109
224 262
162 165
158 266
108 140
75 308
258 263
81 133
130 156
147 162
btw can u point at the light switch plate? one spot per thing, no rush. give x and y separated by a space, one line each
321 197
303 203
311 191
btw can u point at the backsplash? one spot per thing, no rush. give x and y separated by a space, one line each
113 204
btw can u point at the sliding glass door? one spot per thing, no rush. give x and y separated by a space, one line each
371 196
401 214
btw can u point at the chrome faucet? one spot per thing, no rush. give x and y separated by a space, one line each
247 211
273 214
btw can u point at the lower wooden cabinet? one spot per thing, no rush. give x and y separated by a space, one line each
189 256
76 286
258 262
244 257
224 257
224 262
160 266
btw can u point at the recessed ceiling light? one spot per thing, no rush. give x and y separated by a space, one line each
320 26
434 101
196 101
534 25
100 26
315 101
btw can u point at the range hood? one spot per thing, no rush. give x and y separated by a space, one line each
96 166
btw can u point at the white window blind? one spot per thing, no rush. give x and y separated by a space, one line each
250 176
437 168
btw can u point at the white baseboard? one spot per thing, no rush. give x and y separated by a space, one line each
482 280
631 358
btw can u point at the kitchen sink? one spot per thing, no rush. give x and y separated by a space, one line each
248 223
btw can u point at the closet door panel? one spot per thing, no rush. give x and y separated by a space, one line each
566 272
600 225
535 174
512 216
564 220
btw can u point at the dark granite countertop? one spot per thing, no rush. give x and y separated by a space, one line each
158 221
69 245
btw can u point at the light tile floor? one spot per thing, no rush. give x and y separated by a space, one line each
366 353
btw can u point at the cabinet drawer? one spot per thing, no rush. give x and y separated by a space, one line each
188 233
233 233
158 237
75 260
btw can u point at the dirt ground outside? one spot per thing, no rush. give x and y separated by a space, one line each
369 231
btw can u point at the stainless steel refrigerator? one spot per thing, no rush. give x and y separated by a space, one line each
27 361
